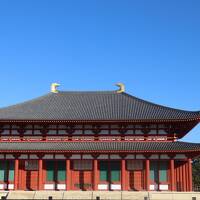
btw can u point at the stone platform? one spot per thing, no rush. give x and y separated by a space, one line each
106 195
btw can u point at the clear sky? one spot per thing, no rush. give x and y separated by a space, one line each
151 46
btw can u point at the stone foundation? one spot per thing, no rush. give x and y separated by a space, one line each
107 195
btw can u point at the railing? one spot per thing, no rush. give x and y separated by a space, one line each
196 188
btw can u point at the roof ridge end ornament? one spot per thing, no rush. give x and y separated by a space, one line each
54 87
121 87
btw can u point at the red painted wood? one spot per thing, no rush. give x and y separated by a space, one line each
172 174
181 175
68 175
16 174
184 177
27 179
95 174
190 173
22 176
40 177
178 188
175 175
32 180
123 174
147 175
138 177
82 180
187 179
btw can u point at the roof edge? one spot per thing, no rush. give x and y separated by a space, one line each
197 119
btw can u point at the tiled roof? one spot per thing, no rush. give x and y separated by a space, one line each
92 106
99 146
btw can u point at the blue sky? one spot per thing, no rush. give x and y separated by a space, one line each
151 46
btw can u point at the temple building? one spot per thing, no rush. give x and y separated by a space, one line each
101 140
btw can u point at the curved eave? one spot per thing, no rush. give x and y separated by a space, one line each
99 151
197 119
99 147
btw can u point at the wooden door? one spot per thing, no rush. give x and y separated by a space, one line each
82 175
136 174
31 180
28 175
136 180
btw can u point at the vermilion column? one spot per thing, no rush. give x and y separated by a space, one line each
184 177
95 174
147 175
123 174
187 179
68 174
16 173
172 174
40 176
190 173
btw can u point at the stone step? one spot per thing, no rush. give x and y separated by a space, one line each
104 195
21 195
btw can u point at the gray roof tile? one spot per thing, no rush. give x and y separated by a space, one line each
92 106
99 146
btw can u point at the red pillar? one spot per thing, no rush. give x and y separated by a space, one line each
184 177
190 173
16 173
172 174
147 175
40 181
123 174
181 176
95 174
187 179
68 174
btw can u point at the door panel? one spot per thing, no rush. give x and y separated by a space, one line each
136 180
28 175
82 175
82 180
31 180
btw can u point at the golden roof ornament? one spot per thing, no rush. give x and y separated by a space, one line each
121 87
54 87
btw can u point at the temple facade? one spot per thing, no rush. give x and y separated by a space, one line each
103 140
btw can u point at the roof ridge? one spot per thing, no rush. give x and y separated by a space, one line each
89 91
